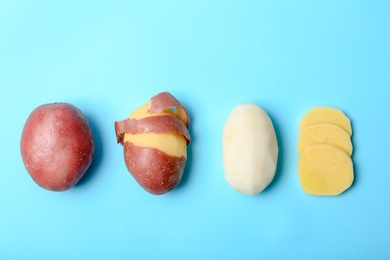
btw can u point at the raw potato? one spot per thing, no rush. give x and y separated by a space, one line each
155 139
325 170
326 114
249 148
57 146
325 133
324 146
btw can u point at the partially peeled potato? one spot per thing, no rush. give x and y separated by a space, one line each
155 139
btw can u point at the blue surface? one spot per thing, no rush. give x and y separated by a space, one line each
109 57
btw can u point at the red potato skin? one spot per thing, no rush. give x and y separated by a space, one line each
163 101
154 170
57 146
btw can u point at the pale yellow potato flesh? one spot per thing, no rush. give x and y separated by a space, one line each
326 114
325 170
143 111
249 149
171 144
325 133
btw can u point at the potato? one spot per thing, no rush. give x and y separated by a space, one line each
326 114
249 149
325 170
57 146
325 167
155 139
325 133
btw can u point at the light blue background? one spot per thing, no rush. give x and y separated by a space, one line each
109 57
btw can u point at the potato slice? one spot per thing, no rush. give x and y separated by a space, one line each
326 114
325 134
325 170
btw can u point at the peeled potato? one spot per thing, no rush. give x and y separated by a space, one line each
325 170
249 149
326 114
325 133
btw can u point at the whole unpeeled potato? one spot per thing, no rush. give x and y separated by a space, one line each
57 146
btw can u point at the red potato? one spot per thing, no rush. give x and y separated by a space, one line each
57 146
155 139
